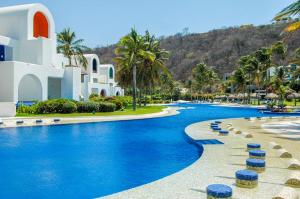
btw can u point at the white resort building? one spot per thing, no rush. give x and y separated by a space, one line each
32 70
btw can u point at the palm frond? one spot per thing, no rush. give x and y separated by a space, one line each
290 10
292 27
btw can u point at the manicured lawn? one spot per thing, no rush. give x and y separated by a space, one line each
128 111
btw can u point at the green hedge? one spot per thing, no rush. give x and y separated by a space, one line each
87 107
66 106
106 107
121 102
56 106
69 107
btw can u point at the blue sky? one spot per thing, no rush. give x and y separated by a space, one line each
103 22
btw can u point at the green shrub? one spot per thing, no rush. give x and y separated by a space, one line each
106 107
87 107
69 107
167 101
93 95
120 101
52 106
26 109
96 99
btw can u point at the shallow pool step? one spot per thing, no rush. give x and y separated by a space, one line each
209 141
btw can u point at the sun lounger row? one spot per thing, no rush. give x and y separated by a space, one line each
22 122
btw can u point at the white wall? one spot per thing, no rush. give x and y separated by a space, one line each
6 82
7 109
12 72
17 23
30 89
71 83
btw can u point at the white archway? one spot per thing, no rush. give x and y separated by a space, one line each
30 88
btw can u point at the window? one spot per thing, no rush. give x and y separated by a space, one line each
95 90
95 80
82 78
2 53
95 66
103 93
40 25
111 73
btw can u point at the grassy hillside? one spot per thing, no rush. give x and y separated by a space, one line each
218 48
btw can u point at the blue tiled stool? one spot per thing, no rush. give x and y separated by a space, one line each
246 178
257 165
215 191
216 128
253 146
257 154
223 132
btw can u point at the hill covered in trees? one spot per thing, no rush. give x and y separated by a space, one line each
219 49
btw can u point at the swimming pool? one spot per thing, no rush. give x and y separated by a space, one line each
97 159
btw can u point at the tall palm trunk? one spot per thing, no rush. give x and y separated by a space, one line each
134 87
70 61
140 97
258 87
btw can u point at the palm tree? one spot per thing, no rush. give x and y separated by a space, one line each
291 10
200 76
150 69
71 48
167 84
212 78
279 52
295 83
240 80
131 52
296 57
249 64
278 83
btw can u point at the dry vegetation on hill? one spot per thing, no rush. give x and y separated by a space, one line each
218 48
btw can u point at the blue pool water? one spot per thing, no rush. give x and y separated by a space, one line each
97 159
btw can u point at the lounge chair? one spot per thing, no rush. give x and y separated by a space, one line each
285 193
282 153
274 145
38 121
294 164
293 180
19 122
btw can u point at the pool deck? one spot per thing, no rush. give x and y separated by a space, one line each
31 121
219 163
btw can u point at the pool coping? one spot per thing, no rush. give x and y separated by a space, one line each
30 121
191 183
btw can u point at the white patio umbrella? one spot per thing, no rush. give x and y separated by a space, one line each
294 96
231 96
272 96
253 95
242 95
